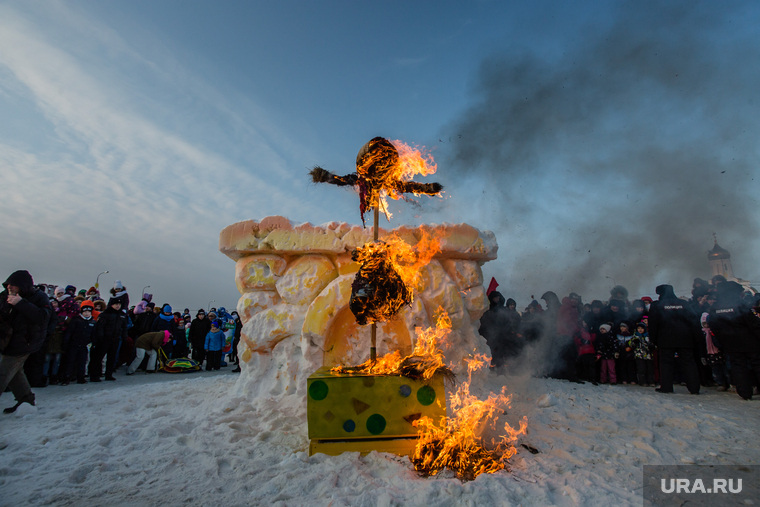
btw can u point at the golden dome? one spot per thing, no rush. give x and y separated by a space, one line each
718 253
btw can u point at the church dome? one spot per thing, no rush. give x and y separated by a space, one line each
718 253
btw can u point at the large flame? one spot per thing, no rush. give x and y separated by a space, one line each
460 442
475 439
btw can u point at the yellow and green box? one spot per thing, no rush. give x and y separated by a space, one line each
342 407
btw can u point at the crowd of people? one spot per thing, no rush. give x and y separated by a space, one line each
709 340
57 335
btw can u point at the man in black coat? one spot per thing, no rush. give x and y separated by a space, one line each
673 328
737 333
110 329
25 312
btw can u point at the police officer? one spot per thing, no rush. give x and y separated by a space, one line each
737 333
674 329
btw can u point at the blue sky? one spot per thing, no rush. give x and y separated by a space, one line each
600 141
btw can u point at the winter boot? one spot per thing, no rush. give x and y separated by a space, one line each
26 399
54 380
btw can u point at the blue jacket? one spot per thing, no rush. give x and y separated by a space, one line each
214 341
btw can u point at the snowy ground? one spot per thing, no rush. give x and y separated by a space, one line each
192 438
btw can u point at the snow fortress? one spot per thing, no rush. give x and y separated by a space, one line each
295 286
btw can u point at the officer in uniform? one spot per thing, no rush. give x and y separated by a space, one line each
674 329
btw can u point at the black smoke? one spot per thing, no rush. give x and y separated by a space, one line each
616 160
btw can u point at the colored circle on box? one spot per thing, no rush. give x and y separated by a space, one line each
349 426
376 424
405 391
426 395
318 390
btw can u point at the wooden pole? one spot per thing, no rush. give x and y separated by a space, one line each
373 328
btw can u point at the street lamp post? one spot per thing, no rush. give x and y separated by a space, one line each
97 280
143 291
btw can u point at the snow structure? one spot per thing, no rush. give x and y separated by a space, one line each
295 286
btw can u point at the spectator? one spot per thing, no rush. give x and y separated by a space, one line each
110 329
214 343
586 363
78 336
236 340
607 351
715 358
149 343
199 328
642 352
25 314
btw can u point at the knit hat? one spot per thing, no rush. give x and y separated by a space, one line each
606 327
58 291
118 285
166 308
113 301
70 289
167 336
87 303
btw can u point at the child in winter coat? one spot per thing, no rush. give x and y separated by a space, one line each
607 350
79 334
625 366
215 340
715 357
586 362
642 352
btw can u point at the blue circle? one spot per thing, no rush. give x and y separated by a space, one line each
349 426
405 390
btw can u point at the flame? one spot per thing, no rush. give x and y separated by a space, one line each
388 270
386 169
459 442
412 161
426 359
475 439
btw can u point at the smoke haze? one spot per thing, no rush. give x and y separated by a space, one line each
615 161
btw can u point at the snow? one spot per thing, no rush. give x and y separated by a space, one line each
197 438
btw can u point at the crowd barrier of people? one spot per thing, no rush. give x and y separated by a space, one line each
55 336
711 339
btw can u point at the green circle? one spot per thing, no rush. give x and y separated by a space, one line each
318 390
375 424
426 395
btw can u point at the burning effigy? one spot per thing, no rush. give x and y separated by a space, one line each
319 302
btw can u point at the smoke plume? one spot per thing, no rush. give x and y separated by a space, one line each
616 161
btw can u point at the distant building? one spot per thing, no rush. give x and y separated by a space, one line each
720 264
